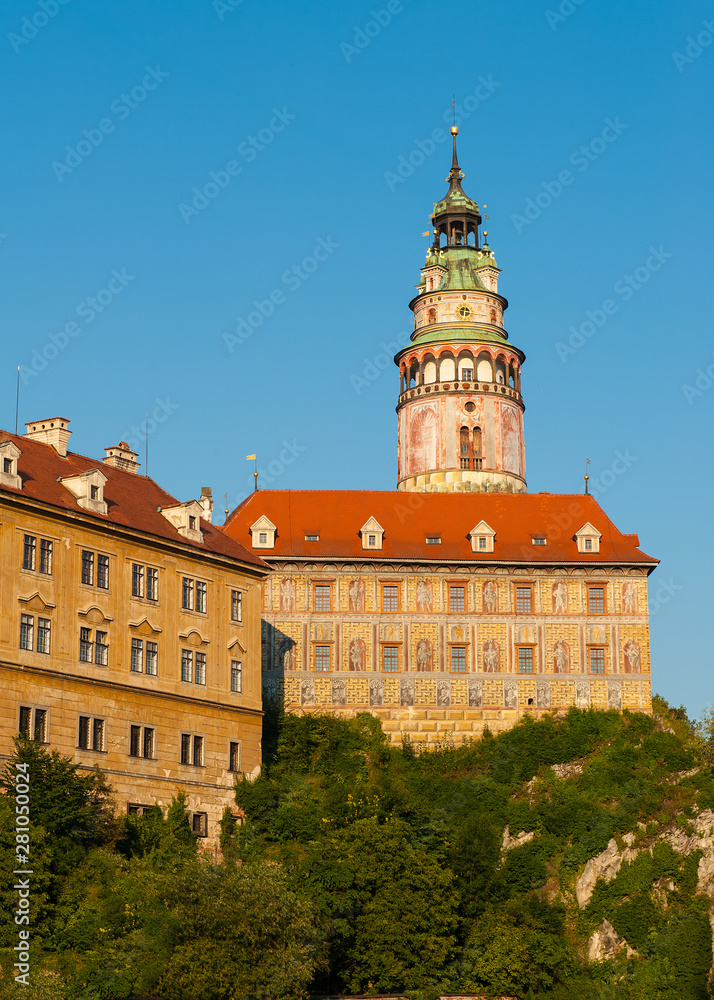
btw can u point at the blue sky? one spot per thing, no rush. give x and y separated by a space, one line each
130 285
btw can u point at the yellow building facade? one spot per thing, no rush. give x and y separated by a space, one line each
130 627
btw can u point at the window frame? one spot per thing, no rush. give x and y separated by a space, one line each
234 756
390 598
38 722
321 596
592 654
102 571
44 635
236 606
455 599
594 587
458 648
322 650
393 651
27 632
137 656
237 676
151 658
525 657
29 552
525 587
46 556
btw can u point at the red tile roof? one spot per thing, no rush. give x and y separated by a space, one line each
407 519
132 500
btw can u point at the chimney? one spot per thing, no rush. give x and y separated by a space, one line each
121 456
206 503
54 431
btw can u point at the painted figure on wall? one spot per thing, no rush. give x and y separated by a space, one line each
356 595
491 656
632 657
422 439
560 598
288 592
358 654
490 597
475 692
424 656
511 442
443 692
629 598
510 694
376 692
561 658
307 691
582 694
287 653
406 692
339 691
423 595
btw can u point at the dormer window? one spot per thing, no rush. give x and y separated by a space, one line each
433 539
263 533
10 454
88 488
372 534
539 539
312 538
482 537
186 518
588 539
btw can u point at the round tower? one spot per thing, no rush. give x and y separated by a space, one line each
460 407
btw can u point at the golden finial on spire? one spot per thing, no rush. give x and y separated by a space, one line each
454 130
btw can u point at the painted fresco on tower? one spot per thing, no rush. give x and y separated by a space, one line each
511 441
422 438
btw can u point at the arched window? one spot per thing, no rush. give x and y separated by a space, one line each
432 316
464 448
493 316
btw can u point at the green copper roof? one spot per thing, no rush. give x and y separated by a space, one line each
467 332
462 264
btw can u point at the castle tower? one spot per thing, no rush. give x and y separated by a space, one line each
460 406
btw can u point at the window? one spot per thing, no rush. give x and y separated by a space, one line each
539 540
433 539
192 749
322 597
588 544
234 757
193 595
483 543
322 658
29 554
88 568
137 655
90 734
457 600
43 635
199 824
97 651
137 580
94 493
32 723
101 650
312 538
236 676
525 660
29 551
458 659
390 659
191 523
372 540
142 742
390 597
188 661
597 661
86 646
596 600
523 600
7 466
236 606
467 374
88 563
45 556
263 537
152 658
152 584
27 632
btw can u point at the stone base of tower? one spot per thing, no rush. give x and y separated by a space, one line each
464 481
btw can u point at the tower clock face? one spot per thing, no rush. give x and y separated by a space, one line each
464 312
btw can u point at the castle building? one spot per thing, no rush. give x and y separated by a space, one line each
130 626
459 600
